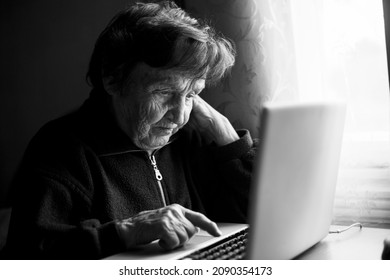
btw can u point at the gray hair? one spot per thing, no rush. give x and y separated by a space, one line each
163 36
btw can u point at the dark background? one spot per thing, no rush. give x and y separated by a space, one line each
44 53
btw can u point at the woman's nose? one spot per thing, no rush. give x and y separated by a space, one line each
177 110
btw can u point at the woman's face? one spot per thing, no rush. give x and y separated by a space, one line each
154 104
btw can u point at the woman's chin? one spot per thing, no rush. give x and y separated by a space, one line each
155 143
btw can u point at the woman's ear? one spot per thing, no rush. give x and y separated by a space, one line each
110 85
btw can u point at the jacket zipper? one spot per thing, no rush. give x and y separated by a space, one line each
159 177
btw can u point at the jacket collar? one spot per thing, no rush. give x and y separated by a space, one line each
100 131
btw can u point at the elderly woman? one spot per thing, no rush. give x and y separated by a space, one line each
145 157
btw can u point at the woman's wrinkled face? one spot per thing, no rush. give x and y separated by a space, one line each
154 104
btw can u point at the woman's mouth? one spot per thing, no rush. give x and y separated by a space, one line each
164 130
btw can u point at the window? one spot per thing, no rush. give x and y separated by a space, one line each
341 54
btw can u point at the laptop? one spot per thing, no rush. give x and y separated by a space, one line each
292 190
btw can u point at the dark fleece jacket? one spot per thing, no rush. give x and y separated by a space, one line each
80 173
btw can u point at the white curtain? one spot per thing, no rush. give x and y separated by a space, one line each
304 50
265 68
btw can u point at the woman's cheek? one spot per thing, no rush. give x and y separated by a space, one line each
188 111
154 111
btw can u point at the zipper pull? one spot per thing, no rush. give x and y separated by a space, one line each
156 171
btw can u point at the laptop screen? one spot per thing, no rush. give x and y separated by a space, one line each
295 178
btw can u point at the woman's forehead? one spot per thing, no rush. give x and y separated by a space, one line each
172 78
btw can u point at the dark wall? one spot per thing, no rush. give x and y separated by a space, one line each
45 48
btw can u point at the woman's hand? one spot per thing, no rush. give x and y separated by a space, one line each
215 126
173 225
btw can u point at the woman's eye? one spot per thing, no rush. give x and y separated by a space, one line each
163 92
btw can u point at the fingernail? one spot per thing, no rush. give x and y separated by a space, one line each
219 232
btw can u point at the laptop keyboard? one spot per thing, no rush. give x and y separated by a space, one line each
230 248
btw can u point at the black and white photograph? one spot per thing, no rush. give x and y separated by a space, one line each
255 133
